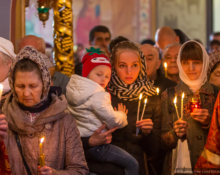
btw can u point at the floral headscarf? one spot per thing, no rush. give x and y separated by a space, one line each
31 53
132 91
214 58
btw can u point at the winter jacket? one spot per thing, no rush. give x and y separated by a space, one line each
62 145
91 106
126 138
196 133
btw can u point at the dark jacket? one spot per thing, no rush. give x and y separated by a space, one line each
162 82
60 80
126 138
196 133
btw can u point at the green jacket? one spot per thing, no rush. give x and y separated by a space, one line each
196 134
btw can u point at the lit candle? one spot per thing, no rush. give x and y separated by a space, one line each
41 157
165 69
175 101
1 90
145 102
139 104
182 105
158 91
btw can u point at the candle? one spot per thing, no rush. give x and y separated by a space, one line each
1 90
182 105
175 101
41 157
165 69
145 102
158 91
139 104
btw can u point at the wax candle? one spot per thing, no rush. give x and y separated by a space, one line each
158 91
182 105
145 102
139 104
165 69
1 90
175 101
41 157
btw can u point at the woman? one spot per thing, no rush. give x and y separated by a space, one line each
35 111
214 69
193 64
127 82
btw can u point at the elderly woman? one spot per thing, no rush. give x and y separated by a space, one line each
35 111
193 63
128 81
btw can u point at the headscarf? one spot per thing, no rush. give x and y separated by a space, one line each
31 53
7 48
132 91
194 85
214 58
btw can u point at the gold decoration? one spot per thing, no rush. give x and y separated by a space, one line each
63 36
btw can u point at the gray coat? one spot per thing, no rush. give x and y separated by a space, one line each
196 133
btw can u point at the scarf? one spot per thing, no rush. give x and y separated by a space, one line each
31 53
194 85
214 58
132 91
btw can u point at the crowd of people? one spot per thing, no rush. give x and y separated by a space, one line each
109 118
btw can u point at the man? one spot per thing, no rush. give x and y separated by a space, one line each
153 68
214 46
215 36
100 36
170 57
165 36
7 56
58 79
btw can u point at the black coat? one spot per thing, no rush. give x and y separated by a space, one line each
126 138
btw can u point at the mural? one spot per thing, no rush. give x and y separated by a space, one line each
187 15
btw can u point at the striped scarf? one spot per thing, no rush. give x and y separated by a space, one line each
132 91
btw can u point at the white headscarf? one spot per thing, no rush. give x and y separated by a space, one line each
7 48
194 85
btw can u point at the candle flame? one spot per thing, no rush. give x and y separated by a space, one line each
42 7
140 97
41 140
145 101
1 87
183 95
158 90
175 100
165 65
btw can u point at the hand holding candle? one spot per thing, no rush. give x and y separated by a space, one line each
201 115
41 157
165 69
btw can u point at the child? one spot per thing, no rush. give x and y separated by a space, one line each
91 105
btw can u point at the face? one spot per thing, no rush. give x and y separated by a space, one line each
214 48
101 40
152 59
215 76
28 87
128 67
4 69
192 68
101 75
170 58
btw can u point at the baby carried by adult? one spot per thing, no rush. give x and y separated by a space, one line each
91 105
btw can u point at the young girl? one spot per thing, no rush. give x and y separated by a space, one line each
91 105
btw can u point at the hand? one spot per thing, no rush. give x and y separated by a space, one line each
145 125
122 108
3 127
201 115
99 138
180 128
44 170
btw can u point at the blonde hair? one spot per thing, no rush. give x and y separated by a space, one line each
123 47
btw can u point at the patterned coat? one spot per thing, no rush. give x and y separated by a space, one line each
196 134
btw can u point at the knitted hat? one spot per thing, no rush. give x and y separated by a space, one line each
94 57
7 48
214 58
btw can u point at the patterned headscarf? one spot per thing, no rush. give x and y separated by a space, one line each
214 58
31 53
132 91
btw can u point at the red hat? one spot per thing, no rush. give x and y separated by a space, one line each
94 57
